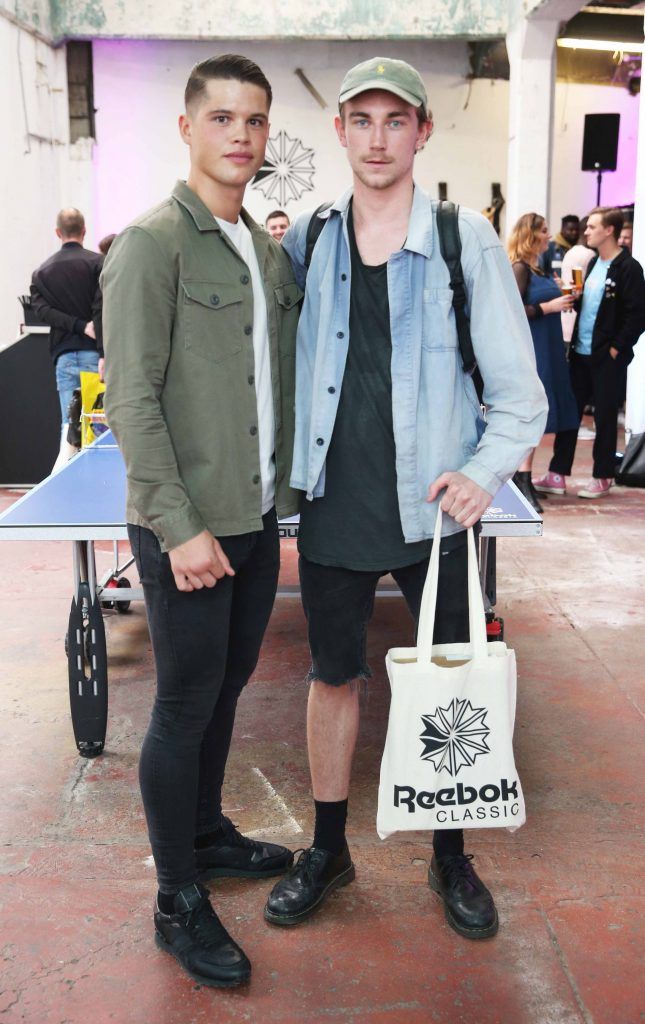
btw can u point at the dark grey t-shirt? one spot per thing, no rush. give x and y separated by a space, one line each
357 523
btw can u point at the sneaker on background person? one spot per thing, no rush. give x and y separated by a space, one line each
586 434
550 483
596 488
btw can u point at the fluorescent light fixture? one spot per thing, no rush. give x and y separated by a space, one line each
611 45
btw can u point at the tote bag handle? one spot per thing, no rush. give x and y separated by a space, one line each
476 614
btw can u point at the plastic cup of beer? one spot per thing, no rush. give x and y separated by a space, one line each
567 289
577 278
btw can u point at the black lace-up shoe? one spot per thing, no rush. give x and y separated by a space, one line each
468 905
314 876
197 938
236 856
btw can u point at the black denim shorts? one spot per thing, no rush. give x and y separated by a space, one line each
338 604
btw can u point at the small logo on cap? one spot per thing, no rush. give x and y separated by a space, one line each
380 70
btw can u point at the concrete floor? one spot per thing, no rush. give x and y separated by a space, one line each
76 880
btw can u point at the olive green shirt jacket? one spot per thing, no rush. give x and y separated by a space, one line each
180 397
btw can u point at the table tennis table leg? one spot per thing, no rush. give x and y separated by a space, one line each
488 571
87 656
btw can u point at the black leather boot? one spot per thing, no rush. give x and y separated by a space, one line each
305 888
468 905
524 485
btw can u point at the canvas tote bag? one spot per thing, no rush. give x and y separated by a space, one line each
448 759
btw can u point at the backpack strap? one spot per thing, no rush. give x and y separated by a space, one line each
314 231
450 246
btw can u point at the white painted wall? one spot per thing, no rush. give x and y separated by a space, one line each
139 89
138 156
138 93
37 175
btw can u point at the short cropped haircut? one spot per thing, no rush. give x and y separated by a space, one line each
276 213
610 218
105 243
230 66
571 219
70 222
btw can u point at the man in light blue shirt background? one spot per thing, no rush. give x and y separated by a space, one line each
591 299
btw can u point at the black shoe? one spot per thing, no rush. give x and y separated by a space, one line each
535 499
468 905
196 937
524 485
236 856
314 876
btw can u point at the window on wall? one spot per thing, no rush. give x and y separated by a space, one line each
80 88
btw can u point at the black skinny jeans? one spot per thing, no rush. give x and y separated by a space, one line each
599 384
206 645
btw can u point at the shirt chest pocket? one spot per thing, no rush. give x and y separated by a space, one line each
212 315
439 330
287 304
287 296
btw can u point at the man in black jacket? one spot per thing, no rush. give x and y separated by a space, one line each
610 321
66 295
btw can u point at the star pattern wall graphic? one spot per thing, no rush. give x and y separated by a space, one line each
287 171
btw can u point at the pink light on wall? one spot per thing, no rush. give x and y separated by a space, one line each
138 154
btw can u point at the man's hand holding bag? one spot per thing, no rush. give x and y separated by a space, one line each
448 759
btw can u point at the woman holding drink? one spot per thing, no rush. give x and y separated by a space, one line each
544 300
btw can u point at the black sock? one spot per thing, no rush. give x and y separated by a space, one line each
329 833
448 841
166 902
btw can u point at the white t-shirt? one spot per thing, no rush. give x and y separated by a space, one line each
241 238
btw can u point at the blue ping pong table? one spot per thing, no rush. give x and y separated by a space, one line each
85 502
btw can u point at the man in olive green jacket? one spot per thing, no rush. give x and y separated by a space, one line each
200 317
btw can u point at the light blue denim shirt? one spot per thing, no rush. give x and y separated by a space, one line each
438 425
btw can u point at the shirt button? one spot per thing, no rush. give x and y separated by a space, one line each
332 391
248 329
244 279
343 277
256 479
251 379
339 334
215 300
319 440
253 431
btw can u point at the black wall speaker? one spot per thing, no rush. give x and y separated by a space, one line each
600 143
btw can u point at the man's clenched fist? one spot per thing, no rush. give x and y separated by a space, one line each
200 562
464 500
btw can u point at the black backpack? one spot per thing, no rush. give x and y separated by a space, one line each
450 246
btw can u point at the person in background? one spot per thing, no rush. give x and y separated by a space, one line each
543 304
105 243
627 236
277 224
611 320
65 294
551 258
578 256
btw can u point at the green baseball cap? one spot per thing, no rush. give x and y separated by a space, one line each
388 74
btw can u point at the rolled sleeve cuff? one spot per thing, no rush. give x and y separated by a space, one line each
483 477
179 528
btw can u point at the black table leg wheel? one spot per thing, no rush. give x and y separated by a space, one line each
123 606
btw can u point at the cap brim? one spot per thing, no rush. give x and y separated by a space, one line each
382 86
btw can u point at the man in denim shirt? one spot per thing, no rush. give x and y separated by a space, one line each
386 422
